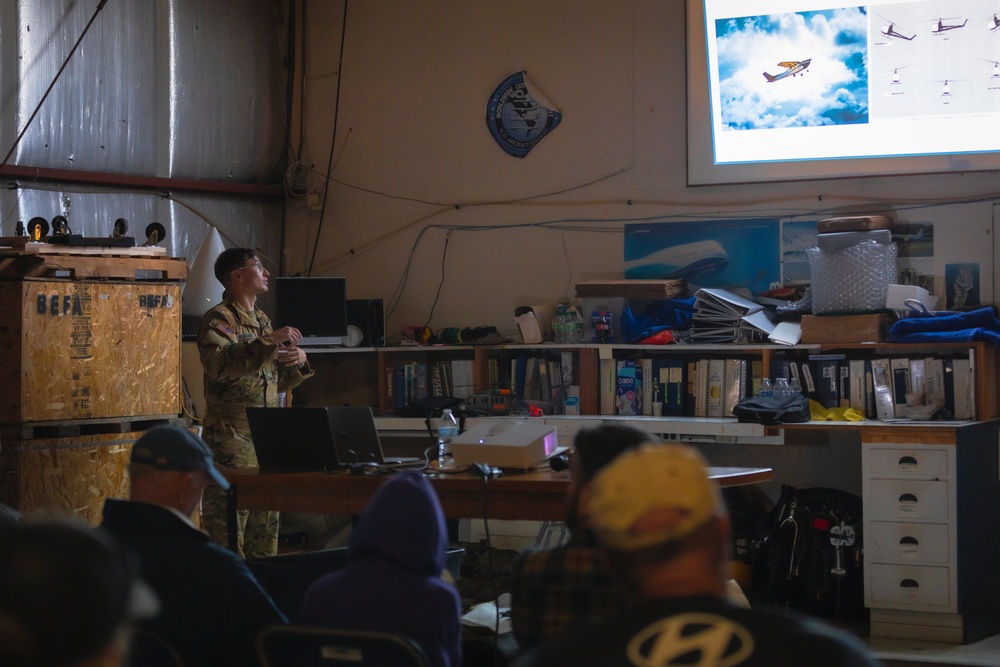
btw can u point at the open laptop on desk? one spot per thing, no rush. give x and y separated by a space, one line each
357 438
298 439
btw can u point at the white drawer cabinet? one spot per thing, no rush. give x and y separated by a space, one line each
932 555
895 542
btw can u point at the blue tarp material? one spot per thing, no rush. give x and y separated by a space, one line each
673 314
951 328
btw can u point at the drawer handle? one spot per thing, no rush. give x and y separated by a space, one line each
909 583
909 540
907 498
907 461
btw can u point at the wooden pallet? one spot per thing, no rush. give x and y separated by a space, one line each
20 258
71 428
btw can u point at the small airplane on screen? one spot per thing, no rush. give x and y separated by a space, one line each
792 68
940 26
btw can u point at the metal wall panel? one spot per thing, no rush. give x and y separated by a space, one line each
227 90
187 89
101 114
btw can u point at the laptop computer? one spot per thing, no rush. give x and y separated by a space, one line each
298 439
356 437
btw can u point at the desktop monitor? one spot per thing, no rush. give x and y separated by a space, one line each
316 306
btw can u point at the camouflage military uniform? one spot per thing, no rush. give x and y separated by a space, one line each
240 370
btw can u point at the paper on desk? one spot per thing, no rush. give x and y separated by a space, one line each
484 615
786 333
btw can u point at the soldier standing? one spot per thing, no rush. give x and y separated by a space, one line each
246 364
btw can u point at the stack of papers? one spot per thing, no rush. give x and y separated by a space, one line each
723 317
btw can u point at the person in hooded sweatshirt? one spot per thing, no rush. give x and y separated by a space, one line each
392 581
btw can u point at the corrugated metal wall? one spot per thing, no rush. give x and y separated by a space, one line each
186 89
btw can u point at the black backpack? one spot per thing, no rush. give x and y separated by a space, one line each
811 558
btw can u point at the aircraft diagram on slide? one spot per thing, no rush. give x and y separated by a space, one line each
889 30
940 27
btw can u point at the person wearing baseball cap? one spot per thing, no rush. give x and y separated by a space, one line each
664 531
212 607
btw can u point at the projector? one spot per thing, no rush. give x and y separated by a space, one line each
512 443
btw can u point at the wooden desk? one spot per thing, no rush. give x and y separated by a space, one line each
539 495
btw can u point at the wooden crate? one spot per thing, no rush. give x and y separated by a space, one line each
65 476
89 350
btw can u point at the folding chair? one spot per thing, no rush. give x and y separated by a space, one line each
303 646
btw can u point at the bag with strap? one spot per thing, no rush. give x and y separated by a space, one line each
773 409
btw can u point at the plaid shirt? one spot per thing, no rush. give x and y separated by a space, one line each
555 590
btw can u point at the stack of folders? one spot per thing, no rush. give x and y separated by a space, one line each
723 317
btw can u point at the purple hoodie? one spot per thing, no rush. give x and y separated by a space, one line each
392 581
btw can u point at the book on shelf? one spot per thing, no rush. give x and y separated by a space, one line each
673 380
647 389
825 371
735 384
437 383
948 372
716 387
690 392
756 374
421 387
858 380
964 389
608 385
882 384
566 360
572 402
918 382
780 369
900 368
556 379
629 388
934 381
844 389
544 383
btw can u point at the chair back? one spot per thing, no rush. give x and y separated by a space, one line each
147 649
305 646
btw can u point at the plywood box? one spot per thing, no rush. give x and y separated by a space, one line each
65 476
869 328
88 350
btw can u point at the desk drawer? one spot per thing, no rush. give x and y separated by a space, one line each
908 500
904 586
912 462
893 542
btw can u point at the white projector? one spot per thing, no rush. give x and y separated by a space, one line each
512 443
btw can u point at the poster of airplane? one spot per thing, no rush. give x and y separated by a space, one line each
736 255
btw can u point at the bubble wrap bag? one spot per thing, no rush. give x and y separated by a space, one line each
852 279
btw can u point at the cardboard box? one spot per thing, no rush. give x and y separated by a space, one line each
870 328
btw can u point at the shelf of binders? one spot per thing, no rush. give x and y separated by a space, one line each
694 381
882 381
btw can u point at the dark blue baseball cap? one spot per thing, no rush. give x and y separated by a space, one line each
170 447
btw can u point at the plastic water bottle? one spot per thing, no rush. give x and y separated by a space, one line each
794 387
560 325
765 390
574 326
447 429
781 388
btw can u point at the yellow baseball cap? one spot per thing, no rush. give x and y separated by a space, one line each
652 495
